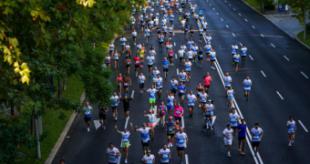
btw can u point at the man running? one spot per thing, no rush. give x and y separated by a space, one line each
145 137
228 138
242 136
291 130
181 143
257 135
247 86
191 101
88 110
113 154
115 100
148 158
164 154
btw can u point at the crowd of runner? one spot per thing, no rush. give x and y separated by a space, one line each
168 107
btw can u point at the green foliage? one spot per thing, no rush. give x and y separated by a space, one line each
58 40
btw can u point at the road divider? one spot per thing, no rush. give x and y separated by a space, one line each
279 94
263 73
251 57
286 58
272 45
304 75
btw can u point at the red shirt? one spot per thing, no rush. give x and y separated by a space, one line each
207 80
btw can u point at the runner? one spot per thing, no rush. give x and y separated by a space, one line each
170 130
137 61
291 130
103 116
145 136
88 110
141 79
212 58
247 86
150 59
236 61
119 80
152 121
244 51
162 110
125 143
191 100
148 158
230 97
126 103
228 138
242 136
234 119
174 85
164 155
116 59
178 112
210 115
113 154
181 141
188 68
227 81
181 91
166 64
134 35
207 80
152 96
257 135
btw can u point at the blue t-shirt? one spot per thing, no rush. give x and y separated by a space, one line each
242 131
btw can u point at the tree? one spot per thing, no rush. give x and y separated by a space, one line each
301 7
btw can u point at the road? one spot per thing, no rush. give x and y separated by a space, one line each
278 66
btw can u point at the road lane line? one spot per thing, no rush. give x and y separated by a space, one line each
126 122
227 26
263 73
239 14
213 8
246 20
272 45
221 75
262 35
217 13
251 57
177 71
279 94
253 26
303 126
182 122
260 158
233 34
234 9
222 19
286 58
132 94
304 75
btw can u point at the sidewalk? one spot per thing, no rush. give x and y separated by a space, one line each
286 22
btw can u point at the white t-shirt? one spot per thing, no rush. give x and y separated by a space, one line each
148 159
181 139
113 155
228 133
164 155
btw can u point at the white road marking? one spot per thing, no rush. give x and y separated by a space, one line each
213 8
217 13
174 44
248 137
279 94
126 123
177 71
272 45
260 158
186 159
246 20
251 57
234 9
239 14
253 26
222 19
182 122
286 58
175 56
304 75
233 34
97 124
132 94
263 73
227 26
262 35
303 126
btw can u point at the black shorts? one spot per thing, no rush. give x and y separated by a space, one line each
150 66
141 85
87 118
170 134
145 144
255 143
102 116
180 148
165 69
241 139
137 65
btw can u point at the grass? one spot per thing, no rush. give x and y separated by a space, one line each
301 37
254 3
54 121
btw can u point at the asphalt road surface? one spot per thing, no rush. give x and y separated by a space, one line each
278 66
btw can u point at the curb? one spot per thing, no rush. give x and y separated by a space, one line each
293 37
60 140
63 134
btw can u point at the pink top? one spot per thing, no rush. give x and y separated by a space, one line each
178 111
207 80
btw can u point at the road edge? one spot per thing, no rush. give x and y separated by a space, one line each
63 134
293 37
61 139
